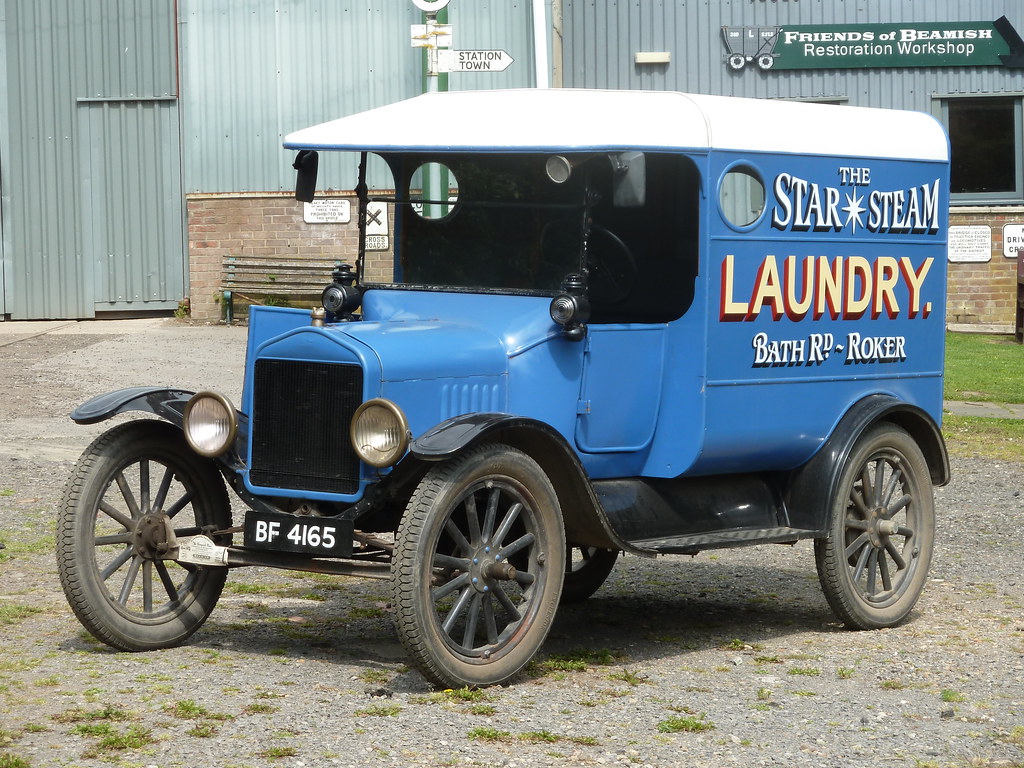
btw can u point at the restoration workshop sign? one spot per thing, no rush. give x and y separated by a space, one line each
847 46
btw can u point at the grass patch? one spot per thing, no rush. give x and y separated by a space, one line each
381 710
983 368
948 694
804 671
488 734
259 709
12 613
685 724
13 761
1001 439
629 677
276 753
577 660
136 737
110 712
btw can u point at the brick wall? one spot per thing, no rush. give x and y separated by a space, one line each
264 225
984 292
272 224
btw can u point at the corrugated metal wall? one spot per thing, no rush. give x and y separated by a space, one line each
66 62
253 72
601 38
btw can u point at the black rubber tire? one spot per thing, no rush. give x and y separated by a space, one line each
585 575
126 482
873 564
468 518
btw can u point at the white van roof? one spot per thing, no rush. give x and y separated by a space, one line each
544 120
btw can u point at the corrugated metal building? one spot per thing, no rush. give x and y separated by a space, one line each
116 112
140 141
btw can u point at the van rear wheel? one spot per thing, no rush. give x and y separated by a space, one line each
874 561
477 568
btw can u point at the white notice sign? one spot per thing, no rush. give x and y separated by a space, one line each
967 244
377 219
330 210
1013 238
377 242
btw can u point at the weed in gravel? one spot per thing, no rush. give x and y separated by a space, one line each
1015 736
13 761
630 678
764 694
804 671
378 676
110 712
380 710
136 737
577 660
187 709
685 724
276 753
12 613
202 731
844 673
892 685
483 710
259 709
948 694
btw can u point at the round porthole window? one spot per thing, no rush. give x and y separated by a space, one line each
433 191
741 196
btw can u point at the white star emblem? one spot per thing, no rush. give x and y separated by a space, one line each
853 210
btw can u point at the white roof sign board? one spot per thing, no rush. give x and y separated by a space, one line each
569 119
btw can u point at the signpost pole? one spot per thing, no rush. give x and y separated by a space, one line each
435 13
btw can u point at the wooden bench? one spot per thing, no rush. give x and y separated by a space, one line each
269 279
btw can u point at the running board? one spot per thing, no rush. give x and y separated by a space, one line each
693 543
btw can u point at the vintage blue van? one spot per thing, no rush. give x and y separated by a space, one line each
608 322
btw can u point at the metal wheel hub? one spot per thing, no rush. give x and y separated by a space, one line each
880 528
149 538
487 567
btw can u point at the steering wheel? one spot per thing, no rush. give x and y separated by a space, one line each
611 268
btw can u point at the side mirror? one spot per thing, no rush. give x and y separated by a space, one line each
629 181
306 162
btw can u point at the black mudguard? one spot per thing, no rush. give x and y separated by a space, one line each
168 404
811 488
585 519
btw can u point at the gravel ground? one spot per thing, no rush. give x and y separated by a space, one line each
729 658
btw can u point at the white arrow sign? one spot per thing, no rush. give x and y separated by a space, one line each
473 61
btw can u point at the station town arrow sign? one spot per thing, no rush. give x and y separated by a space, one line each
474 61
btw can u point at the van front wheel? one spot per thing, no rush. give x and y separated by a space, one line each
874 561
477 568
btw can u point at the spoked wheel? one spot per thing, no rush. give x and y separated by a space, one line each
134 483
873 564
586 569
477 568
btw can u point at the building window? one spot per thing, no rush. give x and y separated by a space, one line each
985 145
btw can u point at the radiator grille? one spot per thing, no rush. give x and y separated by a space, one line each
299 425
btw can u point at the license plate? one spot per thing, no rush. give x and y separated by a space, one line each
317 536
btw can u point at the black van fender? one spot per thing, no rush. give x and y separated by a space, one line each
168 404
811 488
584 518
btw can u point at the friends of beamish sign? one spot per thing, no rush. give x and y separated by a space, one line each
907 44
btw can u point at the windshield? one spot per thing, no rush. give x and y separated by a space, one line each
490 222
520 223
